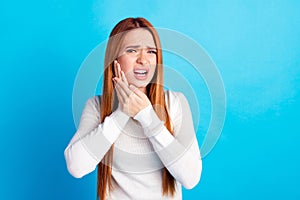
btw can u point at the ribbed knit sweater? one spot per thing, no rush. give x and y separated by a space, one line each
142 147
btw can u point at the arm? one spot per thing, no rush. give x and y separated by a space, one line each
179 153
92 139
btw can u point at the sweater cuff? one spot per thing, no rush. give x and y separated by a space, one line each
149 120
117 121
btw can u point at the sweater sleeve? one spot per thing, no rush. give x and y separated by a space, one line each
92 139
178 152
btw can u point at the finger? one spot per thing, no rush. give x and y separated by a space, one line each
139 94
126 89
120 98
117 79
124 78
116 68
117 89
136 91
119 69
121 91
124 86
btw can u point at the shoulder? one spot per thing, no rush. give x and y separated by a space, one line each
93 103
175 101
173 97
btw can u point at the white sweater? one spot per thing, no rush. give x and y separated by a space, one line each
143 146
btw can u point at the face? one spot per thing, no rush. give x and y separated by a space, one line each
137 57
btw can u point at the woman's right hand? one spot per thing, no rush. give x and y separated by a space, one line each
131 100
120 85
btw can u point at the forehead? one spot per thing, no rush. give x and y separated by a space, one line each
141 37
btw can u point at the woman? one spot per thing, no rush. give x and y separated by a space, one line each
135 132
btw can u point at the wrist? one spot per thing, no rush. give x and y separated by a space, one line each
144 116
120 117
149 120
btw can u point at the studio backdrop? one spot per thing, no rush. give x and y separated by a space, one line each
237 62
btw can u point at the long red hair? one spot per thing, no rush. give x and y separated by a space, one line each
108 102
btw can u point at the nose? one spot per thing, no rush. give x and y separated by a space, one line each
142 57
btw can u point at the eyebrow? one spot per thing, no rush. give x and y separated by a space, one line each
137 46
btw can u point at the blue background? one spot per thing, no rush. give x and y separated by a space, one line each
255 45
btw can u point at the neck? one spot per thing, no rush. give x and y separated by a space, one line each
142 89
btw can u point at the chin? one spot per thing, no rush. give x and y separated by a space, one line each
140 84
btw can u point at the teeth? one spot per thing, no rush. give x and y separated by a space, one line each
140 71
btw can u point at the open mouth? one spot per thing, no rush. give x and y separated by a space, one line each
140 72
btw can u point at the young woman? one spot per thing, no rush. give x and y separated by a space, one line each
141 137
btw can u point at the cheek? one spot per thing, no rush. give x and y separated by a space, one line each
153 60
153 64
153 69
125 64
